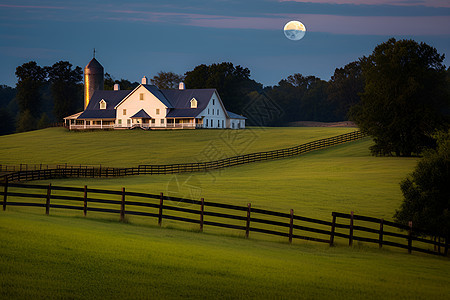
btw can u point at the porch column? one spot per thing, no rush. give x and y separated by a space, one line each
84 124
101 124
194 122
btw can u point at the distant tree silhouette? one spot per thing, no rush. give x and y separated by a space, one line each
31 78
66 89
167 80
405 97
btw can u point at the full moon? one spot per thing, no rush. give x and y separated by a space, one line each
294 30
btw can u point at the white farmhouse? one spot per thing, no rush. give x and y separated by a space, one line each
148 107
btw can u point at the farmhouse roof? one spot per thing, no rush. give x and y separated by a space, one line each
98 114
141 114
235 116
181 100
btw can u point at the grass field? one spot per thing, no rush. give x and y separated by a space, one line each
131 148
341 178
67 256
76 258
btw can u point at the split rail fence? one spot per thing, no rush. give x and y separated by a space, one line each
245 219
63 170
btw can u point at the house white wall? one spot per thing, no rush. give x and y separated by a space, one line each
132 104
214 115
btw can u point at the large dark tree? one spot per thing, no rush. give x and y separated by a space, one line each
232 82
427 191
66 88
31 78
123 83
6 121
405 97
344 88
167 80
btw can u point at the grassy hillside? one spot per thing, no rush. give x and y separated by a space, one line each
131 148
51 257
341 178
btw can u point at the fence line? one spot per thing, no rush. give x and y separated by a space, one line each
63 171
205 213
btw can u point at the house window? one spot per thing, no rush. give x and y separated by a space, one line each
120 121
206 122
128 121
141 96
217 112
223 124
213 101
213 112
124 112
153 121
157 111
218 123
102 104
193 103
162 121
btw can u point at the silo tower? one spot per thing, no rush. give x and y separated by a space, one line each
93 80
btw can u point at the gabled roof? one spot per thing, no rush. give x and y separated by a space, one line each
112 98
158 94
235 116
181 100
141 114
152 89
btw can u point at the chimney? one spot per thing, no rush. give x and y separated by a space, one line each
181 86
144 80
116 87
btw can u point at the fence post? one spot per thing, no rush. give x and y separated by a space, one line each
380 237
122 206
85 201
161 199
247 227
409 237
291 226
350 236
446 246
202 209
333 228
5 195
47 202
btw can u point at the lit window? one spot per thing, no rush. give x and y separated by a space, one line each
157 111
124 112
141 96
193 103
102 104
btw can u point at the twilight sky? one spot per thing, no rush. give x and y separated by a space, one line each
141 37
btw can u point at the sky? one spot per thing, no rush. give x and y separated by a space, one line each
142 37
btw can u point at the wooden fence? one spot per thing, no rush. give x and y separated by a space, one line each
205 213
64 171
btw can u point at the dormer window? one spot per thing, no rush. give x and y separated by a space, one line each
102 104
193 103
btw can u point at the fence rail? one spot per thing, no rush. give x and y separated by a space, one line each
64 171
205 213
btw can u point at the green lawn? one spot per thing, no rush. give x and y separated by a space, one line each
341 178
133 147
54 257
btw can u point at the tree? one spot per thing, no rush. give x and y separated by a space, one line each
405 97
123 83
6 122
167 80
232 82
66 88
26 122
344 88
427 191
31 78
43 122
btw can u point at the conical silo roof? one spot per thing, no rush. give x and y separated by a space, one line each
94 65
